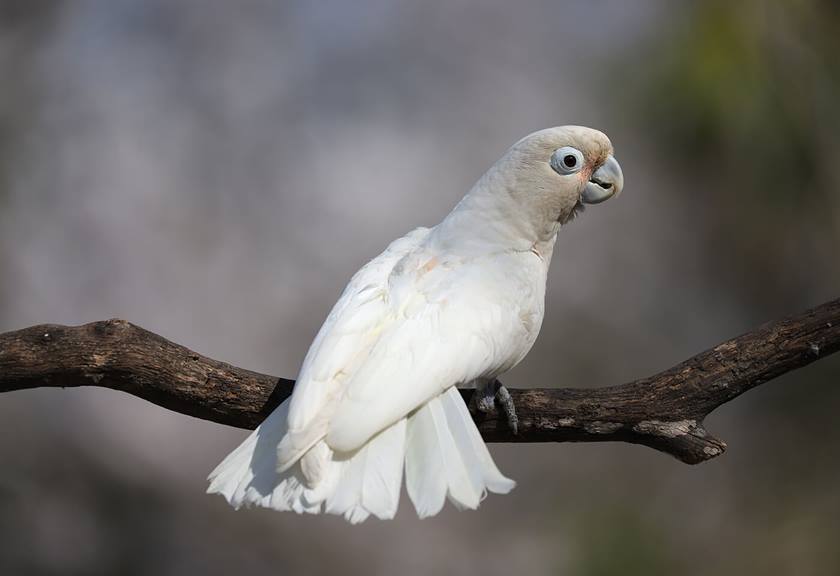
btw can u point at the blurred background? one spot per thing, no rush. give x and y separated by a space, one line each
216 171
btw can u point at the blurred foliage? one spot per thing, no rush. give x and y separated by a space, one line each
740 99
617 540
742 96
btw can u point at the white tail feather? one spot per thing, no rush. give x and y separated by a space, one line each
370 478
446 457
249 477
443 453
471 445
425 470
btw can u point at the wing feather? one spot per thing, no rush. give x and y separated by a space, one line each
343 342
451 328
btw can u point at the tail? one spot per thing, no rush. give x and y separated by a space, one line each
442 452
447 458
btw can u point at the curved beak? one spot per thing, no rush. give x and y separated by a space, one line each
606 182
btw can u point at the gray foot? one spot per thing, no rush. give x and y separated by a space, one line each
485 400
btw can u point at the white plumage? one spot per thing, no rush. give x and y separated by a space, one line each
455 304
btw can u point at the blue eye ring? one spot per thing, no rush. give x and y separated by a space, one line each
567 160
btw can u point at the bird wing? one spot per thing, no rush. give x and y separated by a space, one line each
453 322
344 340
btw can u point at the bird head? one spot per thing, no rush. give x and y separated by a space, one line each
541 182
554 173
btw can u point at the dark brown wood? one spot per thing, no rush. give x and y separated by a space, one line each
664 411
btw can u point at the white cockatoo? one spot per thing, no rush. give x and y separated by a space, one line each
456 304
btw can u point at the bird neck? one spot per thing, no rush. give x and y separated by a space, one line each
490 219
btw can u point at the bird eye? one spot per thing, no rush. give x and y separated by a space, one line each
567 160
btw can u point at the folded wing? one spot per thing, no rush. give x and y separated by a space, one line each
451 327
343 342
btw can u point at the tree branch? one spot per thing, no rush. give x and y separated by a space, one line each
664 411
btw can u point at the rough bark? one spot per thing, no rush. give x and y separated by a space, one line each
664 411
